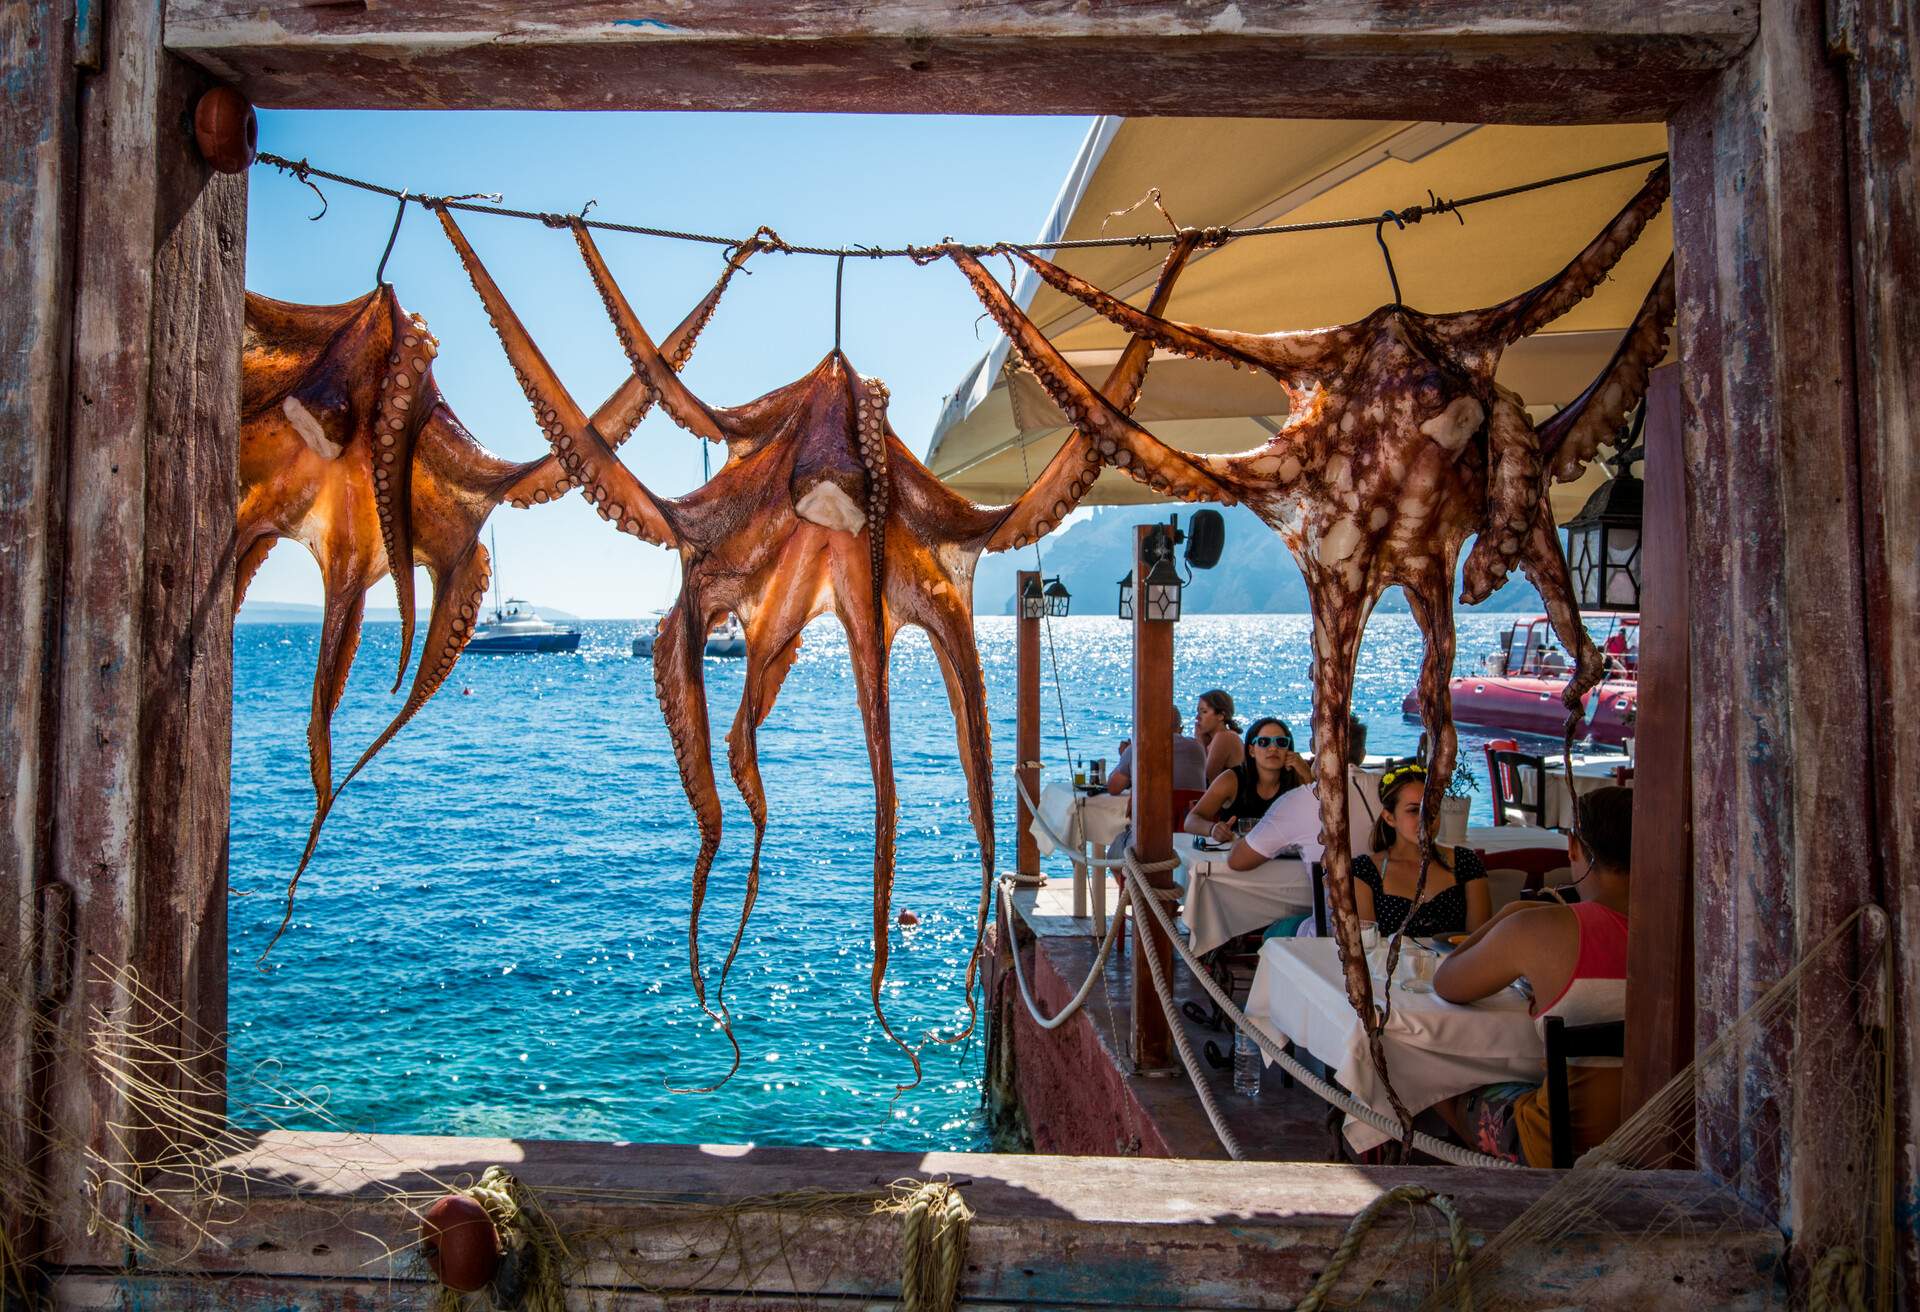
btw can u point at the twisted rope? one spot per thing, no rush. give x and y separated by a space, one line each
1071 849
1086 988
1844 1265
1413 1195
933 1243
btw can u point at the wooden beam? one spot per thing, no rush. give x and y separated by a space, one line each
1880 42
1152 800
1026 737
755 1227
1660 966
1600 61
1782 781
38 146
143 686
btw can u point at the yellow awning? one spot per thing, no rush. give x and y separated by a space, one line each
999 429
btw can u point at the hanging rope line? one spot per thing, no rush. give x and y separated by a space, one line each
306 172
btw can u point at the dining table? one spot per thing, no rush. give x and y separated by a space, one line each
1434 1049
1220 903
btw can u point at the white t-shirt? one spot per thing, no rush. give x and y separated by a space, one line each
1293 820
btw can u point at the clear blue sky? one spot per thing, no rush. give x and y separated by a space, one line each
816 179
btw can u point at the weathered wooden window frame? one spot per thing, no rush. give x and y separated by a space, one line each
1795 226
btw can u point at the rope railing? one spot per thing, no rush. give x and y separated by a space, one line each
1327 1093
1086 988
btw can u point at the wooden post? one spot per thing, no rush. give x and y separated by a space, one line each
1660 950
1026 740
1152 803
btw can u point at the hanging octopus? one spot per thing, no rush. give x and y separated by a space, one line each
1399 445
819 507
347 446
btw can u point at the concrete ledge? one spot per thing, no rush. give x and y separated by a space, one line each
314 1220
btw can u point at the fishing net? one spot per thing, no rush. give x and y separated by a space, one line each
189 1182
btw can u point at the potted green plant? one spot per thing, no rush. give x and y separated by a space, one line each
1455 805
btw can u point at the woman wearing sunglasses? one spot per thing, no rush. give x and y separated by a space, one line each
1455 900
1245 791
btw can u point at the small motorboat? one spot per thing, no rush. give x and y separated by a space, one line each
1519 685
517 627
727 639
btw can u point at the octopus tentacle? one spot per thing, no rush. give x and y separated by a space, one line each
1075 466
679 680
1513 496
1339 620
686 409
1289 356
1534 309
773 644
1545 564
339 642
251 557
1571 438
1427 600
1120 441
948 621
404 391
582 451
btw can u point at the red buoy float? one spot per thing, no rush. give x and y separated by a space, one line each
461 1247
225 130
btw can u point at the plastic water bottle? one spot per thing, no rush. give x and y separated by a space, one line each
1246 1065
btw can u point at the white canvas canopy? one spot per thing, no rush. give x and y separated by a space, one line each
999 428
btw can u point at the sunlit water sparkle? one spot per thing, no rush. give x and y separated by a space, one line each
492 937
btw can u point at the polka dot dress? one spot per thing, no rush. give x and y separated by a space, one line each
1441 913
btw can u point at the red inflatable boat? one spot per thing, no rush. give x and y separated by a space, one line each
1519 684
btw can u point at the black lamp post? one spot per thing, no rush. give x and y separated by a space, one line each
1058 599
1161 591
1603 541
1126 595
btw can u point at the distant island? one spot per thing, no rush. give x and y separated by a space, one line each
1255 575
254 611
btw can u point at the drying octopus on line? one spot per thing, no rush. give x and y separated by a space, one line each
819 507
347 446
1399 445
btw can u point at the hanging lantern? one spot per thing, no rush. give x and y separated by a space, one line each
1033 604
1126 596
1058 599
1603 542
1161 591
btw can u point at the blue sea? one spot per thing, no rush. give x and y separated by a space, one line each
492 938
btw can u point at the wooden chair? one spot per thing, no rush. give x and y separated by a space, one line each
1183 802
1507 774
1566 1041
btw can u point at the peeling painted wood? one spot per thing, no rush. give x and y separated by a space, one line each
1083 1232
37 160
144 676
1782 779
1883 87
1610 60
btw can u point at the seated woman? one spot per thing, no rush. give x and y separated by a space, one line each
1218 733
1575 958
1245 791
1456 896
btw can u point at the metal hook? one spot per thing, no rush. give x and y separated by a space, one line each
380 274
839 283
1380 236
301 171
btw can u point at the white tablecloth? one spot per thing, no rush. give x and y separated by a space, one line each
1222 902
1492 839
1079 819
1589 773
1434 1048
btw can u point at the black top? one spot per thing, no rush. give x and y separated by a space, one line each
1443 913
1246 802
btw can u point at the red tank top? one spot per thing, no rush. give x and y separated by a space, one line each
1596 990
